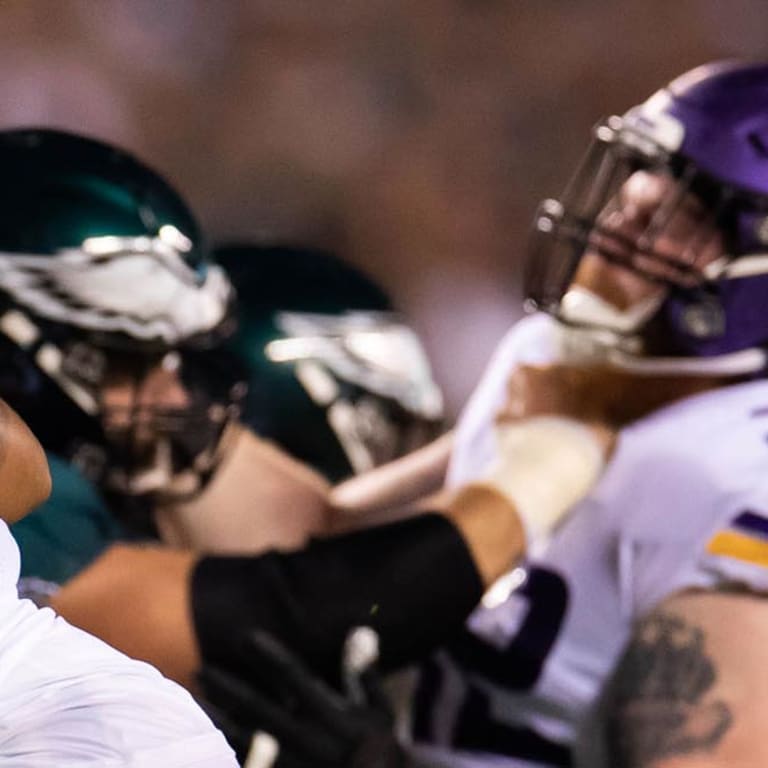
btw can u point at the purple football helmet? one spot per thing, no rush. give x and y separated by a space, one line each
708 131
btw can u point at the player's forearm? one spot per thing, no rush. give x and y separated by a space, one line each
136 598
414 582
490 527
391 486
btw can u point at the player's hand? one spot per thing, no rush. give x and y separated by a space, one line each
576 393
592 394
266 689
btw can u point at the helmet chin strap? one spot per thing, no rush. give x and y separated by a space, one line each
594 332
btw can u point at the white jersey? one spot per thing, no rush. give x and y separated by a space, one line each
682 503
68 699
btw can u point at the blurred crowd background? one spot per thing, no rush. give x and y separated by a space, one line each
415 137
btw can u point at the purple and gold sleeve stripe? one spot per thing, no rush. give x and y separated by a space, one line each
745 539
751 523
739 546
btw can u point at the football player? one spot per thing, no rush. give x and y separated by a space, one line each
85 225
652 276
67 698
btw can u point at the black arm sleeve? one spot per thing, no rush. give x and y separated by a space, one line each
413 581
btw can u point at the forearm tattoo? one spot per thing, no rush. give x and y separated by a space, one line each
660 703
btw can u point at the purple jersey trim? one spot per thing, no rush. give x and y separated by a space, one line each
751 522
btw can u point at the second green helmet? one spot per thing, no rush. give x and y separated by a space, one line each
336 376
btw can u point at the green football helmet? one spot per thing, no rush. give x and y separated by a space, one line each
336 376
103 273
